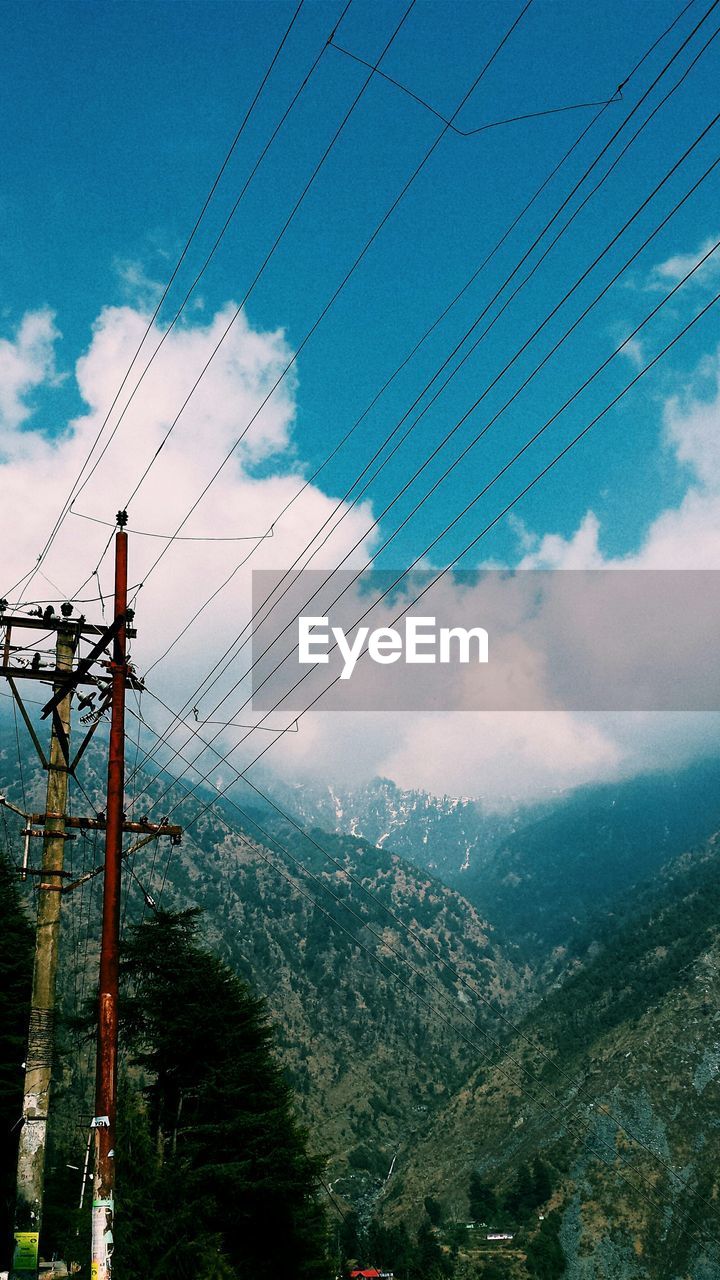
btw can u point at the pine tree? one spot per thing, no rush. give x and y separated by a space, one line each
432 1263
434 1210
483 1199
545 1256
226 1183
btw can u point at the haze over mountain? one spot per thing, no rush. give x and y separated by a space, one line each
541 874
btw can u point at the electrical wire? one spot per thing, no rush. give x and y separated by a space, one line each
428 332
388 382
242 775
507 403
166 290
471 444
493 124
468 507
142 533
716 299
249 291
213 801
315 879
337 291
216 244
667 65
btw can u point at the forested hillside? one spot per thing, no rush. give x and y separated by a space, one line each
366 963
613 1083
552 1078
545 876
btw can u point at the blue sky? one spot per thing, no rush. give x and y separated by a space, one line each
117 116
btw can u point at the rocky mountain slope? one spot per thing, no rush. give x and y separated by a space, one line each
445 834
547 876
597 937
345 941
613 1084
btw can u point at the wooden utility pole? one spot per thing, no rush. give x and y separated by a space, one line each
103 1206
56 826
38 1064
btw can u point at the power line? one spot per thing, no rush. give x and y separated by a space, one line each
469 281
522 348
186 247
243 775
224 758
508 402
248 293
389 946
493 124
471 444
216 244
388 382
474 541
548 224
168 537
392 915
340 287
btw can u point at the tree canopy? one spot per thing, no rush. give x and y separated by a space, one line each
213 1167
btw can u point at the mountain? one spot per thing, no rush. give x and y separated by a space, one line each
359 1032
611 1090
446 835
554 881
571 987
546 877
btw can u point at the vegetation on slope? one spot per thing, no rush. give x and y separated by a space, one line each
614 1083
15 984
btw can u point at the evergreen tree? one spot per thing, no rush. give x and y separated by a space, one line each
351 1245
431 1262
545 1256
16 944
483 1200
434 1211
532 1188
219 1181
389 1249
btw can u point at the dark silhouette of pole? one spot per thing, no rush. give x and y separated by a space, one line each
104 1123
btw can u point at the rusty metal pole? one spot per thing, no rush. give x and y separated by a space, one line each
103 1209
38 1064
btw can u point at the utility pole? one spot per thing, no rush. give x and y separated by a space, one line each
55 826
38 1064
103 1206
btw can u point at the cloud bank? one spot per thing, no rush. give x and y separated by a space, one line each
498 757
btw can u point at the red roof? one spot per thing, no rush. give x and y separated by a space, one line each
370 1274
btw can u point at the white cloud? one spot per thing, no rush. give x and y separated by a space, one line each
580 551
139 288
634 351
37 473
26 362
525 756
677 266
491 755
685 536
500 757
